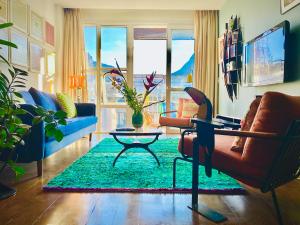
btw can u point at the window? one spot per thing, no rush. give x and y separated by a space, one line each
106 44
183 57
90 37
113 47
148 56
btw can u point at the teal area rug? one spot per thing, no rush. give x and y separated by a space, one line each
137 171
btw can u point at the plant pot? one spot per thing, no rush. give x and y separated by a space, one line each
137 120
6 192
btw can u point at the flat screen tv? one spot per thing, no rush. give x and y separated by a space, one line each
266 57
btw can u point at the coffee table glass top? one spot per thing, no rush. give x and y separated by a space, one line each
139 132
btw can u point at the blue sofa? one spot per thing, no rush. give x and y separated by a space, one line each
38 146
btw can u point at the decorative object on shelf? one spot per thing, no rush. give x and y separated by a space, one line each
230 56
137 102
36 26
19 15
49 31
19 56
287 5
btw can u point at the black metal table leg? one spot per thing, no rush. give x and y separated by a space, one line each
120 153
198 207
152 153
144 146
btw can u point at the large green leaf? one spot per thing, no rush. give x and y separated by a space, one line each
8 43
6 25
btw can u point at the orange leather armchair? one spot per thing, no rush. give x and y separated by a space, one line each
270 157
204 111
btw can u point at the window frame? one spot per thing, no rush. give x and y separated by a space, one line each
129 70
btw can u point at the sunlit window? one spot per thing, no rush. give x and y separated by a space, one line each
183 57
113 46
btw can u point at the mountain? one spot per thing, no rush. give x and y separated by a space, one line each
187 68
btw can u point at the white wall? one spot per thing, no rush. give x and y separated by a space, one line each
138 17
50 12
257 16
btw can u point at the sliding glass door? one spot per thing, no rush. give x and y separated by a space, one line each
139 52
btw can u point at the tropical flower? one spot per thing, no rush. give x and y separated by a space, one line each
134 100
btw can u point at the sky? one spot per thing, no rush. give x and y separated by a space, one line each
149 55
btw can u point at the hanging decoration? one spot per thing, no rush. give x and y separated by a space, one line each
231 55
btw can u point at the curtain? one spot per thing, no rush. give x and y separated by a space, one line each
74 68
206 56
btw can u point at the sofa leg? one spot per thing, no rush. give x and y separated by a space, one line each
40 168
90 137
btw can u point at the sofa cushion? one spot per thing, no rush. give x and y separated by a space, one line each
239 142
75 124
27 97
47 101
226 160
275 114
66 104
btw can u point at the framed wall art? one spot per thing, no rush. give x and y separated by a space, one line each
36 26
19 56
49 30
4 49
287 5
36 58
3 10
19 15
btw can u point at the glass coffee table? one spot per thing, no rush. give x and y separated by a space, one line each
136 144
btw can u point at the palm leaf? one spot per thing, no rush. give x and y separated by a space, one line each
6 25
8 43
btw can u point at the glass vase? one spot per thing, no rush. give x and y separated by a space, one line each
137 119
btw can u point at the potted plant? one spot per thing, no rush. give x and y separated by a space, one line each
136 101
12 129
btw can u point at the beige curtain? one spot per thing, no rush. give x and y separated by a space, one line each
74 68
206 60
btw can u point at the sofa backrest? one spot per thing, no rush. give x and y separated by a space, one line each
275 114
47 101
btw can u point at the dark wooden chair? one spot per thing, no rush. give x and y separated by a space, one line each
271 156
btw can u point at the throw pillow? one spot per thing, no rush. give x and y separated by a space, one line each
189 108
67 105
47 101
239 142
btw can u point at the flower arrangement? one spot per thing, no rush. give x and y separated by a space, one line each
136 101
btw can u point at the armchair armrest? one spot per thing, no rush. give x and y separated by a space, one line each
168 112
263 135
86 109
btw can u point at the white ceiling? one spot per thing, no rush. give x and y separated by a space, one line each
142 4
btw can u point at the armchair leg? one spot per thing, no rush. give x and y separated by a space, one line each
275 202
174 172
40 168
195 206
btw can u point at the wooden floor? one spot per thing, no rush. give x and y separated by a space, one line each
33 206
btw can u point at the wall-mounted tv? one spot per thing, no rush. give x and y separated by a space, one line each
266 57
